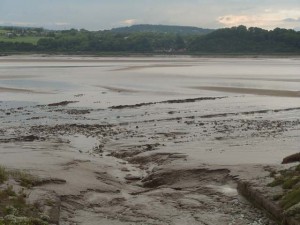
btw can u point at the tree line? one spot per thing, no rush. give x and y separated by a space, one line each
228 40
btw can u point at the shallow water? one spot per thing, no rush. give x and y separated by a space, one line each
131 80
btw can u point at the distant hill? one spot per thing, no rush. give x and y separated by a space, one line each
154 39
183 30
247 40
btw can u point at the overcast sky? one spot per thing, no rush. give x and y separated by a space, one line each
100 14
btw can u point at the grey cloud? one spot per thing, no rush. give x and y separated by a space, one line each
101 14
292 20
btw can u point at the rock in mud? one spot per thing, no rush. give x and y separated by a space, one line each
130 177
30 138
291 159
185 178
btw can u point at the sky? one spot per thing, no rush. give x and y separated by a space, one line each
100 14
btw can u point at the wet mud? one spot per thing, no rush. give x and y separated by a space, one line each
151 160
150 186
165 102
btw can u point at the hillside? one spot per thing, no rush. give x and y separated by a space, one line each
183 30
247 40
235 40
21 34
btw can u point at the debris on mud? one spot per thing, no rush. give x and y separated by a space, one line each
28 138
184 178
189 100
63 103
157 159
72 129
129 151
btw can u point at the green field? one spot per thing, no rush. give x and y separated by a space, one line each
26 39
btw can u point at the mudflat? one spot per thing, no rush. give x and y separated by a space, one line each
127 141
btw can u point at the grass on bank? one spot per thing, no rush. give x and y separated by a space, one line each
25 179
289 181
26 39
13 207
3 175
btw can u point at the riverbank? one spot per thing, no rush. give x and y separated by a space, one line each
152 54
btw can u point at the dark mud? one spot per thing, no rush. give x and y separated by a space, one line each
159 158
63 103
250 112
129 151
28 138
71 129
291 159
179 179
189 100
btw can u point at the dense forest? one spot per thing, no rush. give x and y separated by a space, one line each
182 30
235 40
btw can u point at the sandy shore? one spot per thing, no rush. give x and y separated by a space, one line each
20 90
152 66
92 59
252 91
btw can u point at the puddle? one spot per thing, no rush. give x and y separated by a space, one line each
82 143
224 189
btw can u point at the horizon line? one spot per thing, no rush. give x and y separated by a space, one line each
167 25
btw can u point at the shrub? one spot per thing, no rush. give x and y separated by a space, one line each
3 175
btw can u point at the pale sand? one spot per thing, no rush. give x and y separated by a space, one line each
253 91
116 89
20 90
87 59
5 77
127 90
151 66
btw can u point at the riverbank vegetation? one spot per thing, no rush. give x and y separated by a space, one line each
235 40
289 181
14 209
